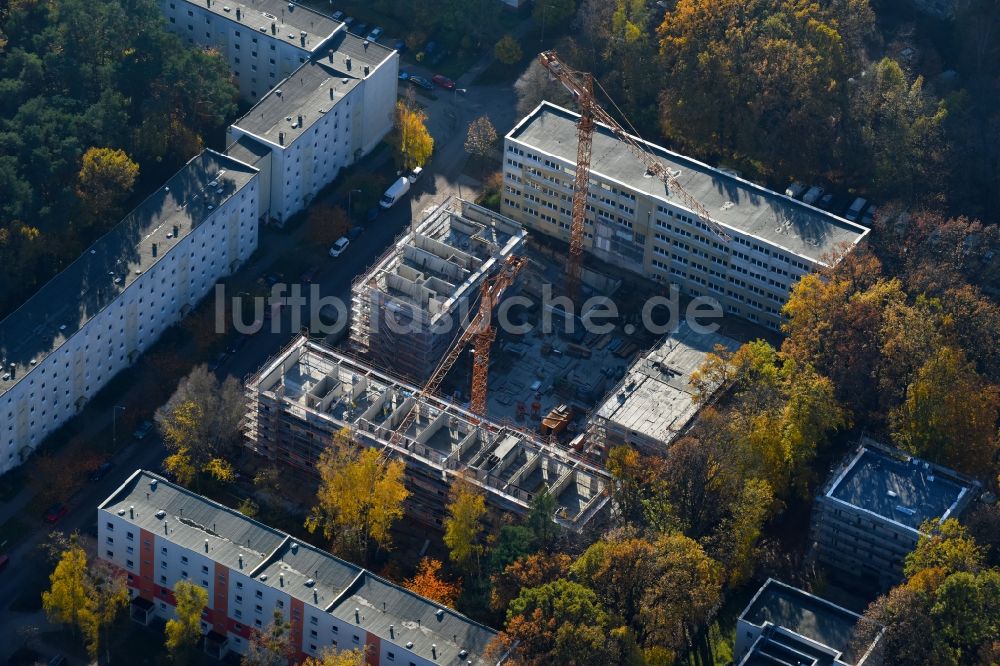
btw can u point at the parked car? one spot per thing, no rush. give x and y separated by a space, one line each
869 216
813 195
443 81
795 190
337 16
375 34
101 471
395 192
143 430
309 275
55 513
399 45
358 230
854 212
360 29
339 247
371 214
349 21
826 202
404 76
415 174
421 82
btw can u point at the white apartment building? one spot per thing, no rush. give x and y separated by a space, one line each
635 223
97 316
159 533
327 114
263 40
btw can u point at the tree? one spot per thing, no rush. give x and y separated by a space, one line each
331 657
735 538
184 631
481 139
534 86
508 50
359 498
105 180
200 424
413 142
560 622
272 646
66 600
529 571
463 526
950 414
553 12
326 223
512 543
427 582
630 481
541 519
88 597
945 546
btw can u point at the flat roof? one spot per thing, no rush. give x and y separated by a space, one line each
656 398
735 203
313 89
446 257
291 19
248 149
302 571
898 488
73 297
806 615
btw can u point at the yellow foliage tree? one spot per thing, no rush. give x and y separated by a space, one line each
463 525
413 142
508 50
331 657
184 631
359 498
105 180
87 597
427 582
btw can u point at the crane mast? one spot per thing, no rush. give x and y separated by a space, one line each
482 333
581 86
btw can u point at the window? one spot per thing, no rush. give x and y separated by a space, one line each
259 594
129 564
110 526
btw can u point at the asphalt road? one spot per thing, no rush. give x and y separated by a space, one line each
448 117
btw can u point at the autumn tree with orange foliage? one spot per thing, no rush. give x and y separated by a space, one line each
530 571
428 582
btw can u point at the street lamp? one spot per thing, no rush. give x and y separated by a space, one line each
349 194
114 425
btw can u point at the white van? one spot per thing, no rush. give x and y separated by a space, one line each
395 192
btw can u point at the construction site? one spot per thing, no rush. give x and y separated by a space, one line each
309 392
407 308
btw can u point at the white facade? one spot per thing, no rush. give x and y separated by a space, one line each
54 378
263 41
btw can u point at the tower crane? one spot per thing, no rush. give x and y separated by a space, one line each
581 86
481 333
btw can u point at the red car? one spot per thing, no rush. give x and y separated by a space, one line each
443 81
55 513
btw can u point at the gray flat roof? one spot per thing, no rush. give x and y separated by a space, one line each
733 202
247 149
307 93
656 398
73 297
804 614
278 560
291 19
313 89
904 492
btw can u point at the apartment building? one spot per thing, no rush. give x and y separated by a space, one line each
633 221
868 517
160 533
305 395
323 117
655 401
264 41
785 626
406 308
94 319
